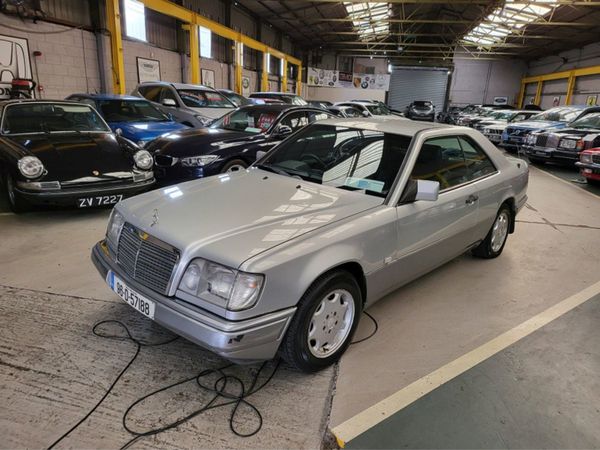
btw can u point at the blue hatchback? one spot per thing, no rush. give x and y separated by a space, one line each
136 118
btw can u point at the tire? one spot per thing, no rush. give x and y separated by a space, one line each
235 165
307 355
490 247
16 203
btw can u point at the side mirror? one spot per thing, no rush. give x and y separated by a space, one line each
420 190
118 132
260 154
283 130
169 102
366 113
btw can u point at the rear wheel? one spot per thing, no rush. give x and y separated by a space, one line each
324 323
16 203
494 242
235 165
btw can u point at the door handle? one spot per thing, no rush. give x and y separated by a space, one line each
471 199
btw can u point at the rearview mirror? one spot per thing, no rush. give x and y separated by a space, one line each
283 130
169 102
420 190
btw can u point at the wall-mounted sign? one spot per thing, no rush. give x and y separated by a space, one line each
591 100
370 81
245 86
337 79
148 69
500 100
208 78
556 101
14 62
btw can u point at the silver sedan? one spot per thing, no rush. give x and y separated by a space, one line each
284 256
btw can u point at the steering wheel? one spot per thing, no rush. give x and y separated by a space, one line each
314 158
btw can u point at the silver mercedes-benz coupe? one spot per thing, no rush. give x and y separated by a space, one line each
284 256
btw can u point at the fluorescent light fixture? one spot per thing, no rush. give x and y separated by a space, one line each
135 19
268 62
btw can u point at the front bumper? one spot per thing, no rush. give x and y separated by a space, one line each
493 137
69 196
553 154
243 341
166 176
589 170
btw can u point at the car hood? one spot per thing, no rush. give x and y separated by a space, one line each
213 113
197 141
145 131
232 217
537 124
70 156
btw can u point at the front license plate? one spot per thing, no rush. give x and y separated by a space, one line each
540 153
131 297
101 200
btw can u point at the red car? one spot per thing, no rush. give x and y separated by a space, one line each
589 164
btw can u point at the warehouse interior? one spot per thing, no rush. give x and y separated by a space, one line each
498 352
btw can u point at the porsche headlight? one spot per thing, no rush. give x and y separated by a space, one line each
30 167
143 159
198 161
115 225
221 285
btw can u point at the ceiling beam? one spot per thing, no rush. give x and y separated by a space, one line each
366 21
454 2
423 44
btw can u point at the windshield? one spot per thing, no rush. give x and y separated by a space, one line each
237 99
51 118
427 104
588 121
505 115
558 115
249 120
199 98
377 110
346 158
130 111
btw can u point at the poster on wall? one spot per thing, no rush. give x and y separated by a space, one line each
344 79
500 100
245 86
148 69
591 100
208 78
14 62
322 77
370 81
556 101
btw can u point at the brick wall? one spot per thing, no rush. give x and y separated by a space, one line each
69 60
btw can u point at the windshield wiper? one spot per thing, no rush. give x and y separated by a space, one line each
270 168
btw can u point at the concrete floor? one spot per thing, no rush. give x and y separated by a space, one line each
52 369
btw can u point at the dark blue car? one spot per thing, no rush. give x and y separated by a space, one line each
514 135
136 118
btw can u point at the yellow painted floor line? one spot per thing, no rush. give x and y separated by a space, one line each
377 413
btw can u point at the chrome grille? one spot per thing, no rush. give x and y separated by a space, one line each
541 141
146 259
596 158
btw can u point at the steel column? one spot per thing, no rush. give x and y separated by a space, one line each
113 23
538 93
284 76
264 81
570 89
194 53
299 80
239 58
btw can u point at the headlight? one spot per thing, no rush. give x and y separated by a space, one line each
115 225
221 285
30 167
198 161
586 158
143 159
204 121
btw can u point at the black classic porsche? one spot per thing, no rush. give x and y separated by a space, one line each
229 144
63 153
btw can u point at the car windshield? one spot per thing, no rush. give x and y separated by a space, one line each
295 100
130 111
200 98
249 120
420 104
588 121
237 99
350 111
377 110
503 115
558 115
346 158
51 118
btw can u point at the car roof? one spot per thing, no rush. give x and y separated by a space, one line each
394 126
107 96
291 94
362 103
279 107
35 100
176 85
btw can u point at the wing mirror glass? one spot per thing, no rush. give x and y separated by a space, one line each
365 113
169 102
260 154
283 130
420 190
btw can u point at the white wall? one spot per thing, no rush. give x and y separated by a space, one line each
480 81
341 94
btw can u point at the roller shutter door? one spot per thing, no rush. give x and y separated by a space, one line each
410 84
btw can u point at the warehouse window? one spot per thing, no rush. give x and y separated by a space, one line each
135 20
205 43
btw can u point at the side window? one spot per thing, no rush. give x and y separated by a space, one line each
152 93
295 120
441 159
313 116
478 162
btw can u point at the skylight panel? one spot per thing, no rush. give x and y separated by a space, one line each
369 19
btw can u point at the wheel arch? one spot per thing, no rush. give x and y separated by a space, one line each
512 204
354 269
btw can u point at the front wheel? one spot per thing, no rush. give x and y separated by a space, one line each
324 323
493 244
15 202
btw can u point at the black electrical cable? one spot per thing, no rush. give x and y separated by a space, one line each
376 327
218 389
